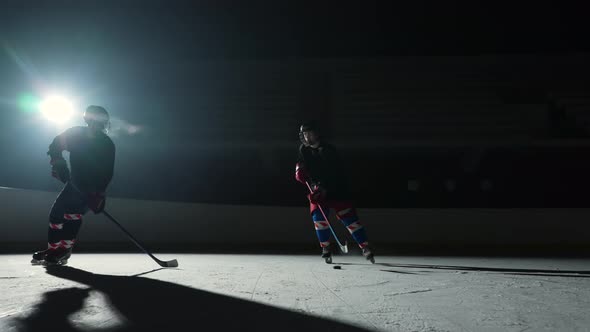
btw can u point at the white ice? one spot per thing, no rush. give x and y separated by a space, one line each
282 292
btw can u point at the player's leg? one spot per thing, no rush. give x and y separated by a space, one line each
65 220
322 228
346 213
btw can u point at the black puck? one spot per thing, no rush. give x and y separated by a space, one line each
337 267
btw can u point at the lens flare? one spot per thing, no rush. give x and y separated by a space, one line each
28 103
56 109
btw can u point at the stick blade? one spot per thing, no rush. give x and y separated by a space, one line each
172 263
344 248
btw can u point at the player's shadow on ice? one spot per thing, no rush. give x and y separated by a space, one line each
154 305
509 271
51 314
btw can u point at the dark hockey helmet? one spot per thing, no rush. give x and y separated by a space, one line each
308 126
97 116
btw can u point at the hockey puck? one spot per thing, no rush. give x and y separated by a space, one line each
337 267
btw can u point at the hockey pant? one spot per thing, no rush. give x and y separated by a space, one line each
65 218
346 213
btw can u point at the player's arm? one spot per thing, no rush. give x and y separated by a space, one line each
59 166
58 145
301 172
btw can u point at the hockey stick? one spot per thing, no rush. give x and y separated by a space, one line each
172 263
343 248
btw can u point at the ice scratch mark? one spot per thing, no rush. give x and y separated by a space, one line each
375 284
400 272
256 284
410 292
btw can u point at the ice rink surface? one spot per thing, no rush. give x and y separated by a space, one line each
129 292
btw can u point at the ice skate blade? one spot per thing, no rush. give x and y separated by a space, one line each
328 260
36 262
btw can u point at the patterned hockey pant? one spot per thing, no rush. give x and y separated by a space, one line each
65 218
346 213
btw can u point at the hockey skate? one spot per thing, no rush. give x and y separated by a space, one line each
39 257
368 253
58 256
327 254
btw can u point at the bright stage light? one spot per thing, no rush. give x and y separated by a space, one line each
56 109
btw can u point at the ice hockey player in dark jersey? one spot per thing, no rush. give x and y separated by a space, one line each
92 159
320 165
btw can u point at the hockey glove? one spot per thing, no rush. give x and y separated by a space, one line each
301 174
96 202
318 196
59 169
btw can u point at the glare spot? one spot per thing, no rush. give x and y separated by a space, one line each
56 109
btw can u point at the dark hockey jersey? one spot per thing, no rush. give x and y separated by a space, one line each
92 157
326 167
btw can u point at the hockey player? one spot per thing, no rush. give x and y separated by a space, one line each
320 165
92 159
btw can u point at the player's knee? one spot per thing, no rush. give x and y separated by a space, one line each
72 216
321 225
346 213
60 218
56 225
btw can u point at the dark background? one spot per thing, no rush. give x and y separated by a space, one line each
432 105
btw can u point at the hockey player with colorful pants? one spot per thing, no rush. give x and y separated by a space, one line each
320 166
92 159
